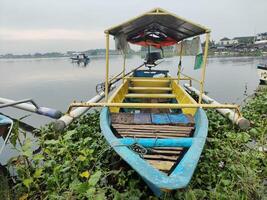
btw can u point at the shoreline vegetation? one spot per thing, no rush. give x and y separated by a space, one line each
101 53
79 164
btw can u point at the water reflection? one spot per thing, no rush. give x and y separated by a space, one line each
79 63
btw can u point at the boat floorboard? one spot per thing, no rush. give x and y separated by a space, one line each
161 158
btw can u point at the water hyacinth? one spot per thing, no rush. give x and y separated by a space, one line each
78 163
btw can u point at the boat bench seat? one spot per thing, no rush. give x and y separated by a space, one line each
153 119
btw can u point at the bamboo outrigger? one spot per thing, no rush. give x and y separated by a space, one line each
151 121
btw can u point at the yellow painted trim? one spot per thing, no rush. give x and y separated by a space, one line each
150 83
158 78
150 89
119 95
153 105
136 95
151 80
183 97
157 11
123 68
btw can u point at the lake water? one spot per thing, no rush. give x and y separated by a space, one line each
56 82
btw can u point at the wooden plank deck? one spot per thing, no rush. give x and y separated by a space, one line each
162 158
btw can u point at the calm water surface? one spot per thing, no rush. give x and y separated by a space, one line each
57 82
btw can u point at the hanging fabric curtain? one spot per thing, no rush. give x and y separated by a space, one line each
199 55
192 48
121 43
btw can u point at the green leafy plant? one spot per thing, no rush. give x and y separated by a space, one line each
78 163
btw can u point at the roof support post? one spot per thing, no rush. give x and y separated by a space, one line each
180 63
107 67
204 66
124 65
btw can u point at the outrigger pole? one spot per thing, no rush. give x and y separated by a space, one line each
65 120
153 105
240 121
30 106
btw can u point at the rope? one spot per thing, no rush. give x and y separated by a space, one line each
137 148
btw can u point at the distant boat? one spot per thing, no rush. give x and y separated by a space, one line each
262 72
80 58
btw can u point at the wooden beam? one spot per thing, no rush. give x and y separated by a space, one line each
151 80
137 95
161 165
160 157
150 88
155 151
154 105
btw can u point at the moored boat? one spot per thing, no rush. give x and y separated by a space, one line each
150 120
162 145
80 58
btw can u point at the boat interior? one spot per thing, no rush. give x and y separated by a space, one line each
153 123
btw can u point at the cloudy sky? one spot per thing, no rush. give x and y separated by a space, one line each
29 26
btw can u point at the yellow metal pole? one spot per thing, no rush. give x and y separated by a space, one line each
204 66
124 64
154 105
107 67
180 63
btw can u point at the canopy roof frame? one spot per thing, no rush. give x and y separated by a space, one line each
142 22
159 11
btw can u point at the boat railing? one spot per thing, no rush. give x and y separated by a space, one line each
157 105
187 77
184 78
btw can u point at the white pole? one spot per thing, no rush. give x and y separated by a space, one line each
22 106
49 112
65 120
242 122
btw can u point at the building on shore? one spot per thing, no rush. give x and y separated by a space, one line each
244 40
225 42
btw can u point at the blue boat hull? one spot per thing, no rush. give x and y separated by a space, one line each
157 180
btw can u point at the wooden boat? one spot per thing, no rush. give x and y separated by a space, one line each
150 120
262 72
162 145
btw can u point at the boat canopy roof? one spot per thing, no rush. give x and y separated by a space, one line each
157 28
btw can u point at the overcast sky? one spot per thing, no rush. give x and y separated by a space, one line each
29 26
